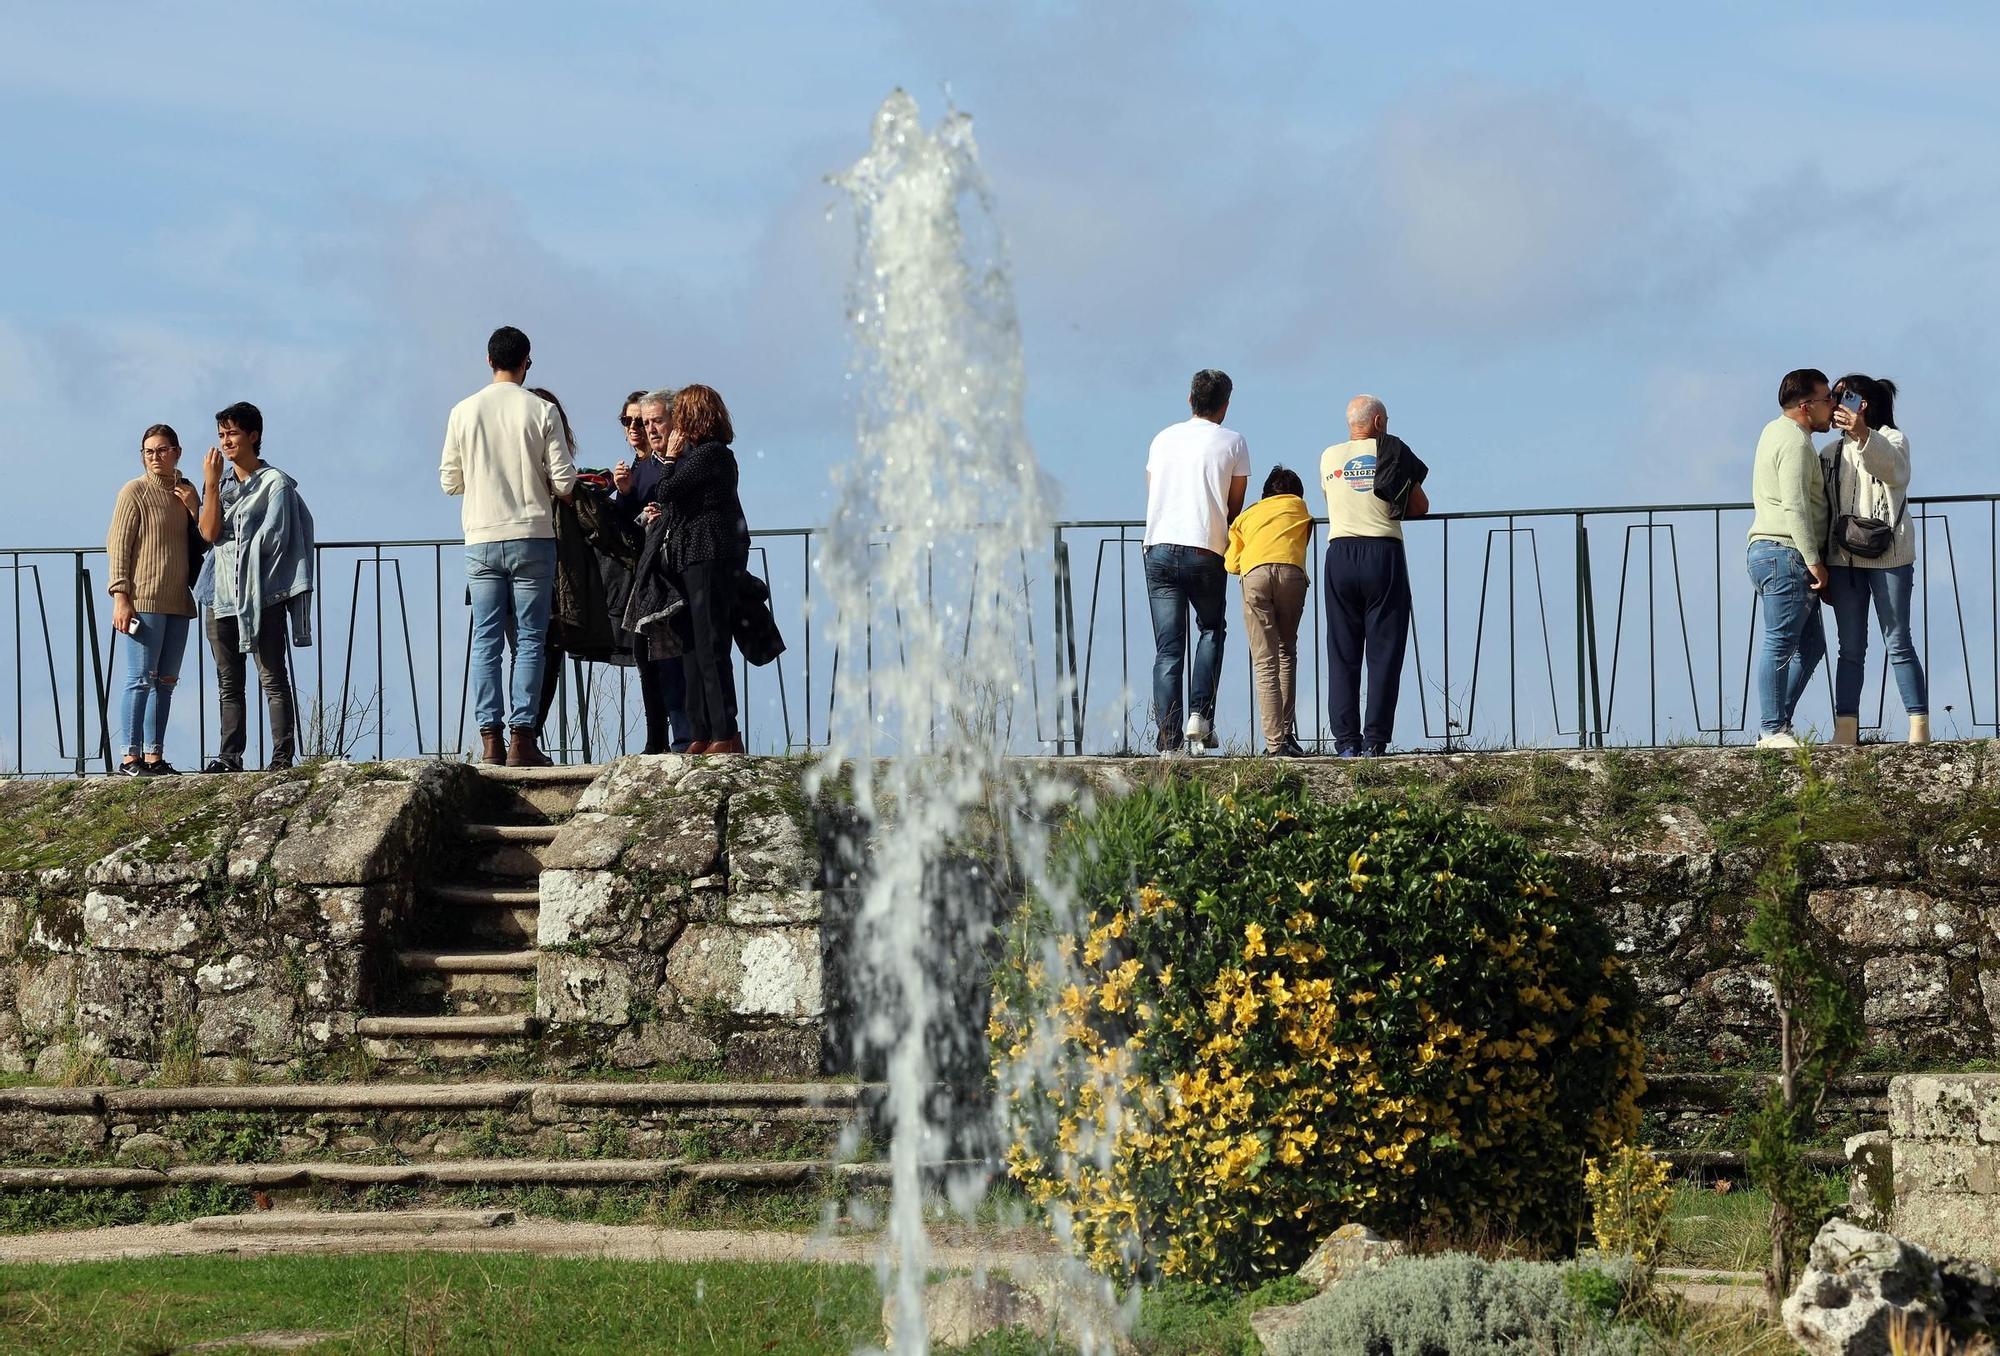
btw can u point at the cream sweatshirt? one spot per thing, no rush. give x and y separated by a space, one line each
504 451
1874 483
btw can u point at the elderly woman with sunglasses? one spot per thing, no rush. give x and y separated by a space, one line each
151 603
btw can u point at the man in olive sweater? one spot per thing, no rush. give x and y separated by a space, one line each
1787 546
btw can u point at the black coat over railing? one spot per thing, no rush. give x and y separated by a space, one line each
1533 628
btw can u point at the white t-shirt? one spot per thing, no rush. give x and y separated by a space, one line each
1347 474
504 451
1187 484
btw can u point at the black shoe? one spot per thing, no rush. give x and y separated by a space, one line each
1290 749
278 765
160 769
222 765
135 768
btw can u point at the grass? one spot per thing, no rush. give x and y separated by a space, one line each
424 1302
1718 1230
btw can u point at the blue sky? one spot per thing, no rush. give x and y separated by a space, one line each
1572 246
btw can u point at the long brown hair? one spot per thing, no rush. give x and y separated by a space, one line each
561 413
701 417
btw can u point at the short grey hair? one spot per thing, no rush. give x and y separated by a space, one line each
1364 410
664 398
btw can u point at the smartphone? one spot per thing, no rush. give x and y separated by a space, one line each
1851 401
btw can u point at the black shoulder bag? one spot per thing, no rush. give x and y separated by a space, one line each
1867 538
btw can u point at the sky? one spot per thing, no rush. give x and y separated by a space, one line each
1572 247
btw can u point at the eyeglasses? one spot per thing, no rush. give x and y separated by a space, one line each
157 451
630 420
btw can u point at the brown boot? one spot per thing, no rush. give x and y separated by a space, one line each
493 747
522 750
733 744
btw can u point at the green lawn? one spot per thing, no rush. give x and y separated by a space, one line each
429 1302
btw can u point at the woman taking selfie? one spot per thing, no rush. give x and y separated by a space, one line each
1871 559
151 605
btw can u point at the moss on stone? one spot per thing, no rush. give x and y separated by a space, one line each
74 823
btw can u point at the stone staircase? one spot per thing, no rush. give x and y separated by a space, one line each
463 988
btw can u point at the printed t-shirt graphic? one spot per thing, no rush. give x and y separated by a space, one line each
1347 476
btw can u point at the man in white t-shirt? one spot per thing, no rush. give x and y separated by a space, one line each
506 452
1196 474
1367 580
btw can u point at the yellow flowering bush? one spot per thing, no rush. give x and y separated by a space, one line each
1630 1198
1275 1016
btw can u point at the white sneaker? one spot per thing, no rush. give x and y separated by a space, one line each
1200 734
1781 739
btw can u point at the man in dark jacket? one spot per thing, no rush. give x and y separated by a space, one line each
662 680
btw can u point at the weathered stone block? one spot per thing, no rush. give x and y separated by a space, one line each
343 911
48 1133
1952 1224
772 847
663 1043
263 824
1970 861
1905 988
120 1004
1930 1166
261 1022
45 994
589 841
630 781
350 831
775 1052
591 989
760 972
1883 861
1874 917
150 922
1871 1179
763 910
581 907
1960 1108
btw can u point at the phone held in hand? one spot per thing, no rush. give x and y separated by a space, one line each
132 627
1851 401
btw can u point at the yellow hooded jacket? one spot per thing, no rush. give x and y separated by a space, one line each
1272 531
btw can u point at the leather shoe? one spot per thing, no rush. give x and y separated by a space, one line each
733 744
696 749
493 747
522 751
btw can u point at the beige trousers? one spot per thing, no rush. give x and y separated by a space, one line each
1274 598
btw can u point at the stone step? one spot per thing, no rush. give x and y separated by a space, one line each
485 896
446 1028
161 1127
511 926
578 775
509 833
572 1172
265 1222
464 993
469 962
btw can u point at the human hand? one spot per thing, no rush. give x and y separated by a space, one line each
184 491
648 513
1854 423
211 466
122 613
1816 578
621 477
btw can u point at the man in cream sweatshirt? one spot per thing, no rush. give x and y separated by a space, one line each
505 452
1787 548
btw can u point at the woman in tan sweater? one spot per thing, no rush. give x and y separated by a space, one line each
151 605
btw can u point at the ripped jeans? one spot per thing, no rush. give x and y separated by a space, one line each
152 667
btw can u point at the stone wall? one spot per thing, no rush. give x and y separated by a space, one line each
680 921
1904 873
218 927
1944 1137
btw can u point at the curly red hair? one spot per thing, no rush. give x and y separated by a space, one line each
701 417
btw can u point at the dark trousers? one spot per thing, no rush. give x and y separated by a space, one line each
1179 580
1367 626
663 689
710 589
274 675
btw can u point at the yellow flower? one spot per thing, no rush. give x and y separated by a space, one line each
1253 941
1306 887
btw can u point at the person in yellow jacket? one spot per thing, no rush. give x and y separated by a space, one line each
1267 546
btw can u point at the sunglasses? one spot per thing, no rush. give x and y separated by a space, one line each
630 420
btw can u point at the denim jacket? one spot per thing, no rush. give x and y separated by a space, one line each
264 559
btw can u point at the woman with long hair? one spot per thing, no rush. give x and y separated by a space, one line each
151 603
708 545
1868 474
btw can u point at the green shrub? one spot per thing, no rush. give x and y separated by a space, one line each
1283 1015
1458 1305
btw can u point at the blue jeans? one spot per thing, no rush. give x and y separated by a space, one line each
1179 578
1794 635
512 584
152 667
1852 587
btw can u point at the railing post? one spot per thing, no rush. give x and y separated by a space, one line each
1582 585
81 723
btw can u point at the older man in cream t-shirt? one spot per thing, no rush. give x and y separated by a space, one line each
1196 475
1367 579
